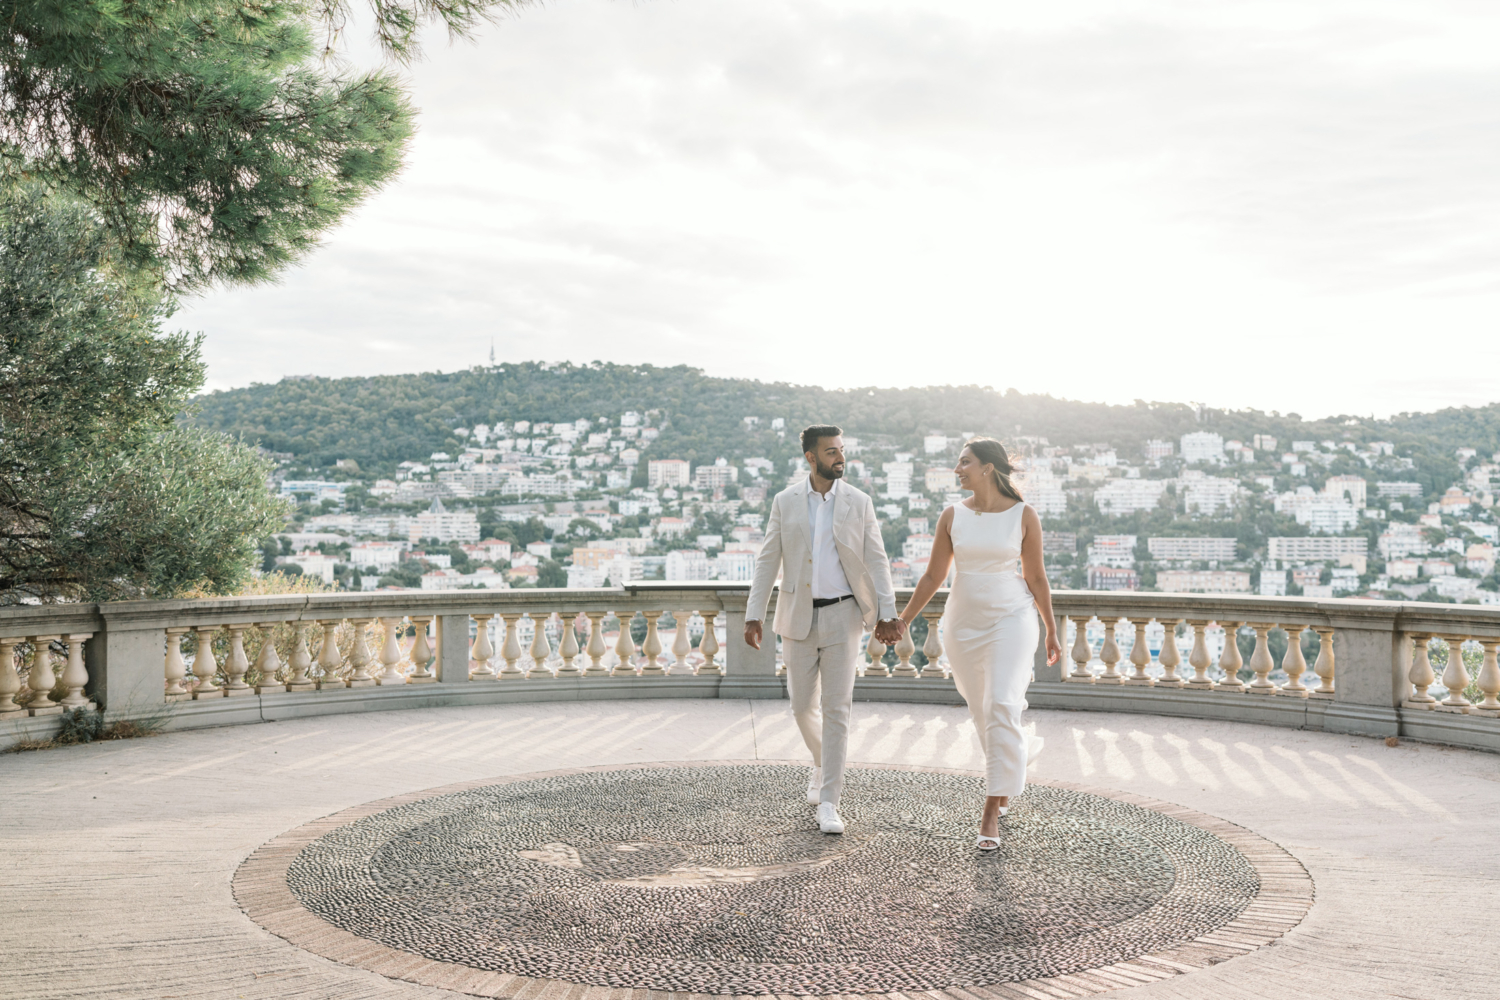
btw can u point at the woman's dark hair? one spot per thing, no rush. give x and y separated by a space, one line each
992 452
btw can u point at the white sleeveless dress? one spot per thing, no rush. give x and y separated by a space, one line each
990 630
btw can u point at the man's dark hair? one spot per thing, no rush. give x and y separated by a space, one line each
811 435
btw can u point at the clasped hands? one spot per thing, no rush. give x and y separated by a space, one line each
888 632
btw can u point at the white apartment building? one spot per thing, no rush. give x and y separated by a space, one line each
1191 549
1117 551
1321 514
1413 490
585 577
1202 446
734 566
1203 581
1272 583
1353 487
376 555
1156 450
687 565
934 443
917 547
897 479
314 564
1125 496
1401 540
1457 588
1049 501
1210 494
667 472
452 579
1263 442
939 480
445 525
1317 548
716 476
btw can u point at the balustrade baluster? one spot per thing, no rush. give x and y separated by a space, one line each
596 648
1489 679
510 649
1293 663
390 652
205 666
1082 653
330 659
359 656
932 647
1230 660
651 648
906 648
682 644
481 652
876 650
1140 654
421 653
1456 677
237 664
541 649
1260 660
75 676
567 648
709 645
42 679
10 680
1324 665
1169 657
267 662
1109 654
1420 675
625 648
301 661
1199 659
175 668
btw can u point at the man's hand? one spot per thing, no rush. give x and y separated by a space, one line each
889 632
752 634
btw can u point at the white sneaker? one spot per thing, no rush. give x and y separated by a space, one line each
828 818
815 787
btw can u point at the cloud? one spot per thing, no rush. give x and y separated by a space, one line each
1252 204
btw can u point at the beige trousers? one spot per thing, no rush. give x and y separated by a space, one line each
820 681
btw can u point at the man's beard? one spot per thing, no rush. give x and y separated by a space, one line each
828 473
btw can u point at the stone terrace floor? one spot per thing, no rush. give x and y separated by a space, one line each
121 855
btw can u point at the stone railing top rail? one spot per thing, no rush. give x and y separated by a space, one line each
1402 616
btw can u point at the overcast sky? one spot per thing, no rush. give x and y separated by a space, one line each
1293 206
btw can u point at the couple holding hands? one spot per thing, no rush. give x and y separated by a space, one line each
825 543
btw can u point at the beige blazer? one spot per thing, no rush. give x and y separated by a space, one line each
788 551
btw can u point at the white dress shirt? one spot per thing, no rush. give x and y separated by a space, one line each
828 579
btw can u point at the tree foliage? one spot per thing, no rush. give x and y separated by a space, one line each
101 494
198 129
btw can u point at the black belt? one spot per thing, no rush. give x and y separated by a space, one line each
823 602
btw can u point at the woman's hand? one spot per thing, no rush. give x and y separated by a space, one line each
1054 648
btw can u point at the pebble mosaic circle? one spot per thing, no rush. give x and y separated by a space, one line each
715 879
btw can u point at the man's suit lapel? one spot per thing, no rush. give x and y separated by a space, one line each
799 513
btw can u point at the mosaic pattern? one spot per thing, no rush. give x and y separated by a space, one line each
715 879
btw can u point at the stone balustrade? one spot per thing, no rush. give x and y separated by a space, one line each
1379 668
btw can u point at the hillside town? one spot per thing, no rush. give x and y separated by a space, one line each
591 503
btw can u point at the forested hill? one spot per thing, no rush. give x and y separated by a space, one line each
385 419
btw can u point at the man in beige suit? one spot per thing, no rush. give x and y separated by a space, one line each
824 541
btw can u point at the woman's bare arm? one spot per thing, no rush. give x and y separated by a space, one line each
938 565
1036 577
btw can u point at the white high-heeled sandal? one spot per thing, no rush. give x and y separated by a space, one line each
986 843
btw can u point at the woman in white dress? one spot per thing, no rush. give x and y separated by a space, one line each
990 623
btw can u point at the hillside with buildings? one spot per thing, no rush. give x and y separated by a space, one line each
536 475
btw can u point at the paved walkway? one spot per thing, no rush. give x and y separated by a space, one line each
121 854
